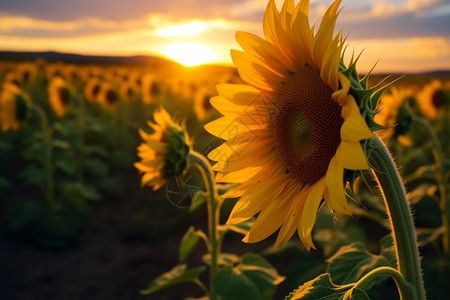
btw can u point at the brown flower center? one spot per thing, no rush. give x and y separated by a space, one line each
307 125
438 99
111 96
64 96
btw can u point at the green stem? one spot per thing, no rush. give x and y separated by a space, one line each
213 217
405 289
47 133
441 180
399 213
81 116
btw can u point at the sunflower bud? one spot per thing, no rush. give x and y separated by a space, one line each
164 152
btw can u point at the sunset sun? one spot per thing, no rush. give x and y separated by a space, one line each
189 54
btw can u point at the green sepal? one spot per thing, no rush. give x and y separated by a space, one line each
177 275
188 243
252 278
322 288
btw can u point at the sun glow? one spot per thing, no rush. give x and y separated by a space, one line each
190 29
190 54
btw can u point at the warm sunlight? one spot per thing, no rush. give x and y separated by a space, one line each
190 29
190 54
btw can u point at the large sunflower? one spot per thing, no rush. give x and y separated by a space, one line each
293 129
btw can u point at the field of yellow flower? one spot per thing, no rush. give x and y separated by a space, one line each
264 181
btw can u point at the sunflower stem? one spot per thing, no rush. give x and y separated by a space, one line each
47 133
404 288
81 112
213 216
441 180
400 217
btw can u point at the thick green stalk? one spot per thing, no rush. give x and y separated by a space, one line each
441 181
47 133
399 213
213 216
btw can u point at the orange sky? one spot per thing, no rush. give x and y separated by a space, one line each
403 35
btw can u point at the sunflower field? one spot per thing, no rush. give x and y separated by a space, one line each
288 176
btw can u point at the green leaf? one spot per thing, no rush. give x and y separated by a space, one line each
94 150
253 278
86 191
322 288
177 275
352 262
24 213
66 165
34 174
4 183
197 200
96 167
60 144
188 243
224 259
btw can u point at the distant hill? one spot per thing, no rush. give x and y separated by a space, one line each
52 56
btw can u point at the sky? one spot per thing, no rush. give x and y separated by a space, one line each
401 36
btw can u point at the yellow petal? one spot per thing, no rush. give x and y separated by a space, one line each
354 127
228 127
238 176
335 186
309 213
324 35
256 198
268 220
291 220
351 156
270 20
261 48
254 71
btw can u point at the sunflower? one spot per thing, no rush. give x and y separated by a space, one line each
394 114
108 97
433 99
151 89
202 106
292 129
60 96
92 89
13 107
164 152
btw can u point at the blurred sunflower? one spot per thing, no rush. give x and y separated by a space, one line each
164 152
292 129
13 107
394 114
151 89
127 91
60 96
92 89
202 106
433 99
108 97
